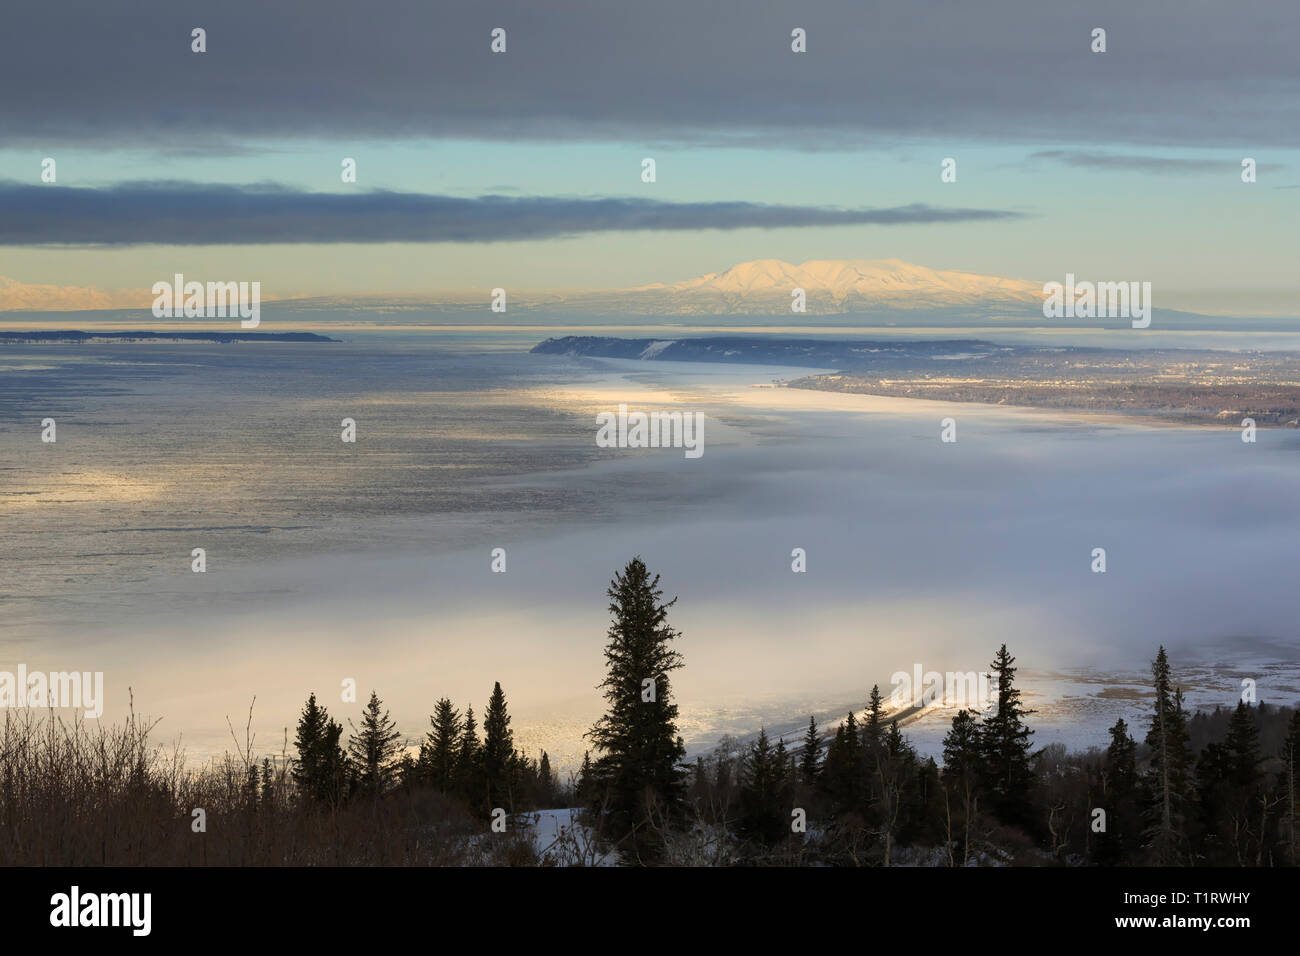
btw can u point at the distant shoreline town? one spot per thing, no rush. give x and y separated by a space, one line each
1186 386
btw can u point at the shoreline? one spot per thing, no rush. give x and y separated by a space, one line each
789 464
1134 419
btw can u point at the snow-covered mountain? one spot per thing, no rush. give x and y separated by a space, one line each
837 285
762 287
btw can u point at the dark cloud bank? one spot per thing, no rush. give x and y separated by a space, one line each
1174 74
193 214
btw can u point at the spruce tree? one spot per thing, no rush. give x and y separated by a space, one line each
252 786
845 772
374 749
895 744
761 817
1242 744
723 789
307 741
544 777
1123 820
1121 759
468 760
521 780
1167 776
336 773
1005 738
584 791
407 772
852 739
1290 787
860 758
835 771
442 747
320 772
925 815
895 777
1242 820
873 728
639 748
1214 806
499 767
810 758
872 755
785 772
962 748
962 758
268 783
699 790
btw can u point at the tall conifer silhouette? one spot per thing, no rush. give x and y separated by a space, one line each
637 774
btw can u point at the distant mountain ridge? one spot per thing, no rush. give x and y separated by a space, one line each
761 287
858 292
25 296
840 285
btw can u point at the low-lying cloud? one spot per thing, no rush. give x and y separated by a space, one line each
176 213
1088 159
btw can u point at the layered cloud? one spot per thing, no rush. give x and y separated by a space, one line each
174 213
84 71
1091 159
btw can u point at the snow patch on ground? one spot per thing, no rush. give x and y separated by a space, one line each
654 348
562 840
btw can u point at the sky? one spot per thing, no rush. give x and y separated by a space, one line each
523 169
